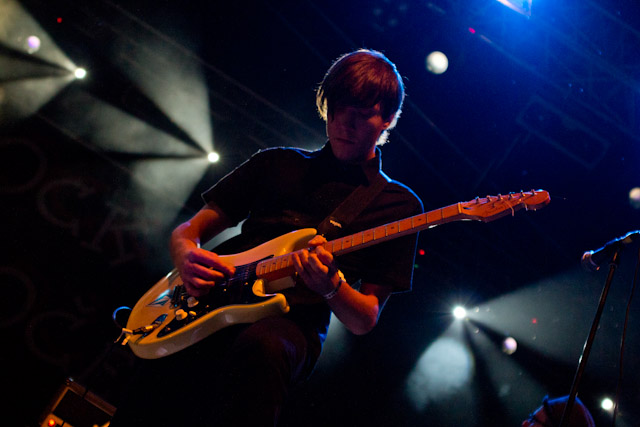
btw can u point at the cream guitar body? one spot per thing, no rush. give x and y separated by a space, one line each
174 322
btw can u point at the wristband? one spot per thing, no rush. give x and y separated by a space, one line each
334 292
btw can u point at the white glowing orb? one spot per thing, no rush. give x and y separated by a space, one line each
509 345
437 62
80 73
33 44
213 157
459 312
634 197
606 404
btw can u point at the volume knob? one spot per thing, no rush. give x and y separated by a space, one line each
181 314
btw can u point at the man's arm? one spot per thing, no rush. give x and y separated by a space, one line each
357 310
200 269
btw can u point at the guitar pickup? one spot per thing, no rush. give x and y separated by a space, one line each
176 298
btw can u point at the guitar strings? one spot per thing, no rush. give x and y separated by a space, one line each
244 273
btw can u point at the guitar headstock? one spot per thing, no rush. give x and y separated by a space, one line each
493 207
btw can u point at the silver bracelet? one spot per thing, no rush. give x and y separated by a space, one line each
334 292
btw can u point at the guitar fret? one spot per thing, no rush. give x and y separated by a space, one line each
379 232
405 224
358 239
392 228
347 242
367 236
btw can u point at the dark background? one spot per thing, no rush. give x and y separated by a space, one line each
96 173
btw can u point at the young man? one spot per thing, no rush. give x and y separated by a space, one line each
243 373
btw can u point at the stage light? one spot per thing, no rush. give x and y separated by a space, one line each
606 404
33 44
213 157
634 197
437 62
459 312
509 345
523 7
80 73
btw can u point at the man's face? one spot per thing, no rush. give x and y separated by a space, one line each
354 131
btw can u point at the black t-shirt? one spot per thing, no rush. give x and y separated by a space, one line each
280 190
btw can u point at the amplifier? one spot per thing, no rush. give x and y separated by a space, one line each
74 406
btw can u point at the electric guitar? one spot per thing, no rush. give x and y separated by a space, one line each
166 319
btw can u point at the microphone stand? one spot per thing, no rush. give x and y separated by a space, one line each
613 265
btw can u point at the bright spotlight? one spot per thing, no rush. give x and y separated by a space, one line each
437 62
459 312
213 157
80 73
606 404
523 7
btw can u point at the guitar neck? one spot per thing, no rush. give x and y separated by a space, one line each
394 230
282 266
483 209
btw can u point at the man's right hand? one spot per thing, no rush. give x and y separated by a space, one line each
200 269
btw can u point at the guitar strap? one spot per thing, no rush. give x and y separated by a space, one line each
351 207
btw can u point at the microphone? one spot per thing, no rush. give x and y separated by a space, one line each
592 260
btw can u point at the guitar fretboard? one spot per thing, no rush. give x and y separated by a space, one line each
484 209
282 266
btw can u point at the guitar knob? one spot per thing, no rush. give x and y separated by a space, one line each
192 302
181 314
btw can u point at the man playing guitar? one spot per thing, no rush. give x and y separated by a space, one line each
242 374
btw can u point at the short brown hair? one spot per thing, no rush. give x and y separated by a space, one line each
361 78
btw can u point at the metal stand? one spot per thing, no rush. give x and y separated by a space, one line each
613 265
